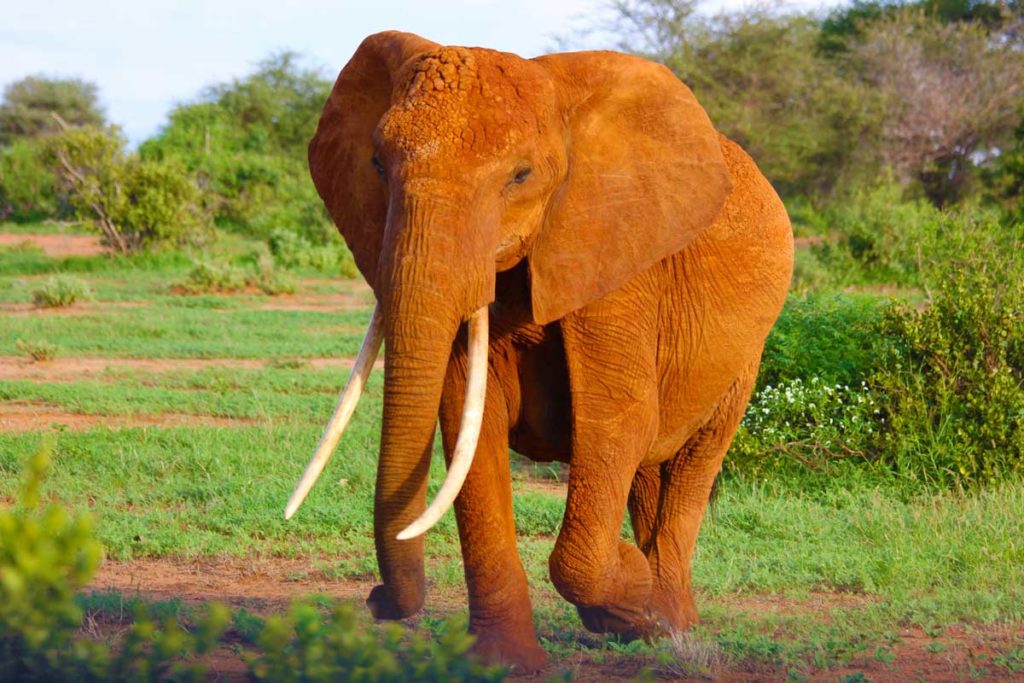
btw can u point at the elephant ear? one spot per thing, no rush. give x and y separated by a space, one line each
645 177
341 151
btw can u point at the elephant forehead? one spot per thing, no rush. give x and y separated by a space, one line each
455 101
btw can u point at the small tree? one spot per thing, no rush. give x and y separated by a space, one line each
950 92
132 202
27 105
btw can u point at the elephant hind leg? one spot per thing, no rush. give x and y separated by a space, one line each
686 487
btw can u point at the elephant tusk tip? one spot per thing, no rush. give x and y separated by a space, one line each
290 510
408 534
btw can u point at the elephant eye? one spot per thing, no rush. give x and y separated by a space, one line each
377 165
521 175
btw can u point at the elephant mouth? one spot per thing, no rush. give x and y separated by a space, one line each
469 431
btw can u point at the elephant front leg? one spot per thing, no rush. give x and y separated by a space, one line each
500 614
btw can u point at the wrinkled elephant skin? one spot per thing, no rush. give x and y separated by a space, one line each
631 261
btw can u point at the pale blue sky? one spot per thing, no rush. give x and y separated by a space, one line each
147 55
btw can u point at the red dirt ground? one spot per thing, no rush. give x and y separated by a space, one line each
58 246
262 585
19 310
79 368
27 416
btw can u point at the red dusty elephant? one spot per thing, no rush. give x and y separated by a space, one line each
570 261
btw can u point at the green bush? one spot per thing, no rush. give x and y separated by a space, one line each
246 142
882 237
809 424
303 646
46 557
28 186
59 291
828 336
208 278
38 351
292 250
953 379
133 203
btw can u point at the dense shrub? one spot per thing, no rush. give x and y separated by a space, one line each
59 291
1006 181
133 203
46 557
304 646
28 186
246 141
293 250
208 277
878 236
810 424
828 336
953 378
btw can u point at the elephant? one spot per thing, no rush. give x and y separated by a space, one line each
569 261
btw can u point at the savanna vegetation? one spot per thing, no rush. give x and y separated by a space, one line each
159 400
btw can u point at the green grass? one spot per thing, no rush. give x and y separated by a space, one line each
168 330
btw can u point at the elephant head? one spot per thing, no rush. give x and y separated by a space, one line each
443 166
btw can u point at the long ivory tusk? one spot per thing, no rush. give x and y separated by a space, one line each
342 412
469 429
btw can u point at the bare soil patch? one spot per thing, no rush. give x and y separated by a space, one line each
248 582
26 416
328 303
58 246
79 368
21 310
269 584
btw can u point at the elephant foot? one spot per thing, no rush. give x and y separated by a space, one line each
674 609
521 655
626 622
384 604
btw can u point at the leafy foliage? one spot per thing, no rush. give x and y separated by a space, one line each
303 646
811 423
1007 178
208 277
763 83
246 140
293 250
880 237
950 92
929 89
29 104
59 291
953 378
829 337
28 189
46 556
133 203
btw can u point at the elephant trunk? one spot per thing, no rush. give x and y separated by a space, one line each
426 297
